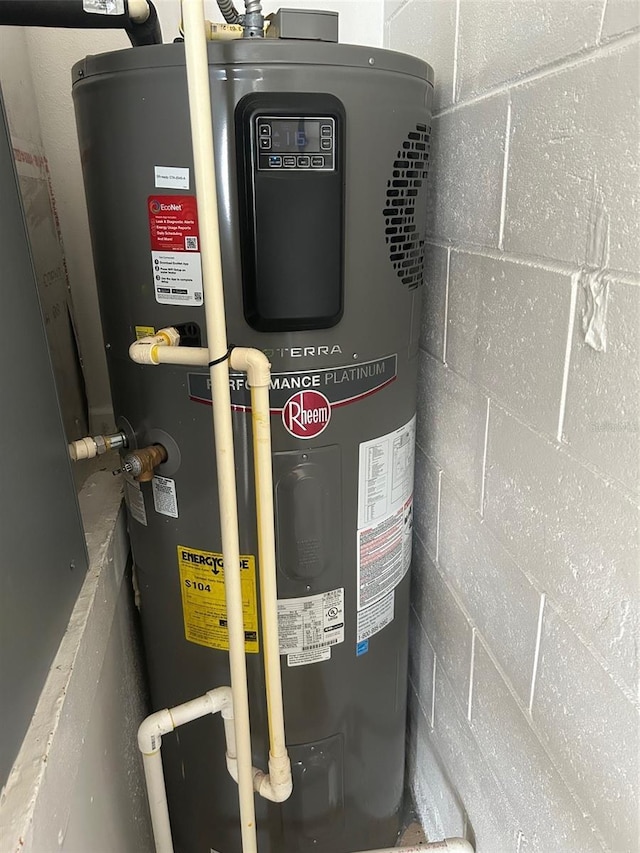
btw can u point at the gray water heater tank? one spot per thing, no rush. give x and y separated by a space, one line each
322 153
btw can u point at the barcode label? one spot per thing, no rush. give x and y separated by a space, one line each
324 645
191 244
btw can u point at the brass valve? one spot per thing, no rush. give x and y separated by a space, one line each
142 463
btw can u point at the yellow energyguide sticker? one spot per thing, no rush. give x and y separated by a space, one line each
144 332
203 599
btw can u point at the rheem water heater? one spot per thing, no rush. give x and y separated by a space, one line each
322 152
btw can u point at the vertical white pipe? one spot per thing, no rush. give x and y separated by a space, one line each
205 179
267 550
157 797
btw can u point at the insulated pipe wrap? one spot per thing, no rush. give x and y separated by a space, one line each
71 14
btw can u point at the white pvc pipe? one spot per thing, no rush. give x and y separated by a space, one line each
205 180
277 785
157 799
150 735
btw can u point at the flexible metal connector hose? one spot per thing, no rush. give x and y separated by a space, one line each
253 7
229 12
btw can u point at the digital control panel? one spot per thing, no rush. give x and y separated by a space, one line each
295 143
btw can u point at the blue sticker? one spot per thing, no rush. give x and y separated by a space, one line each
362 648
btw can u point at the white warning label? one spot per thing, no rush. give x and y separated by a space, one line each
311 623
103 7
376 617
164 496
135 500
178 277
314 656
385 512
171 176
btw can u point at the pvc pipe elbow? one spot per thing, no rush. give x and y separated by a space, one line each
254 363
144 350
151 730
222 701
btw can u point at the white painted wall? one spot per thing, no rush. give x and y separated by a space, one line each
53 52
525 624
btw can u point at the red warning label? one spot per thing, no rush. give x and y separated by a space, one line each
173 223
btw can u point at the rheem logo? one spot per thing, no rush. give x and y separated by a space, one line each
306 414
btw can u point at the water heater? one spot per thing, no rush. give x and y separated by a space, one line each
322 152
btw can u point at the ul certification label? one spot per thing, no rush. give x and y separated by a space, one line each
309 626
385 514
203 599
175 249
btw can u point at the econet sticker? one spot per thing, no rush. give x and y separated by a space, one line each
175 249
204 606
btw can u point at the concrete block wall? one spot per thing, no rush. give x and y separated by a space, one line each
524 694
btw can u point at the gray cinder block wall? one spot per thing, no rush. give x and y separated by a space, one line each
523 728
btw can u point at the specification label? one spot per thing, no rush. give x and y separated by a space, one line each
309 625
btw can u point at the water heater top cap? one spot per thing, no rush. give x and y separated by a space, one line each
267 51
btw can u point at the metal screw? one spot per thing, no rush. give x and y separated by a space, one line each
372 61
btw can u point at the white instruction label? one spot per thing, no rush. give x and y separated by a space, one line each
374 618
103 7
164 496
178 276
304 658
385 512
135 500
311 623
171 176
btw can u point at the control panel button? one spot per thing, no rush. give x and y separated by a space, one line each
275 161
265 130
303 161
289 162
265 143
325 144
325 130
317 162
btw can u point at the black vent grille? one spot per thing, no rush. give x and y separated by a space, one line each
405 208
